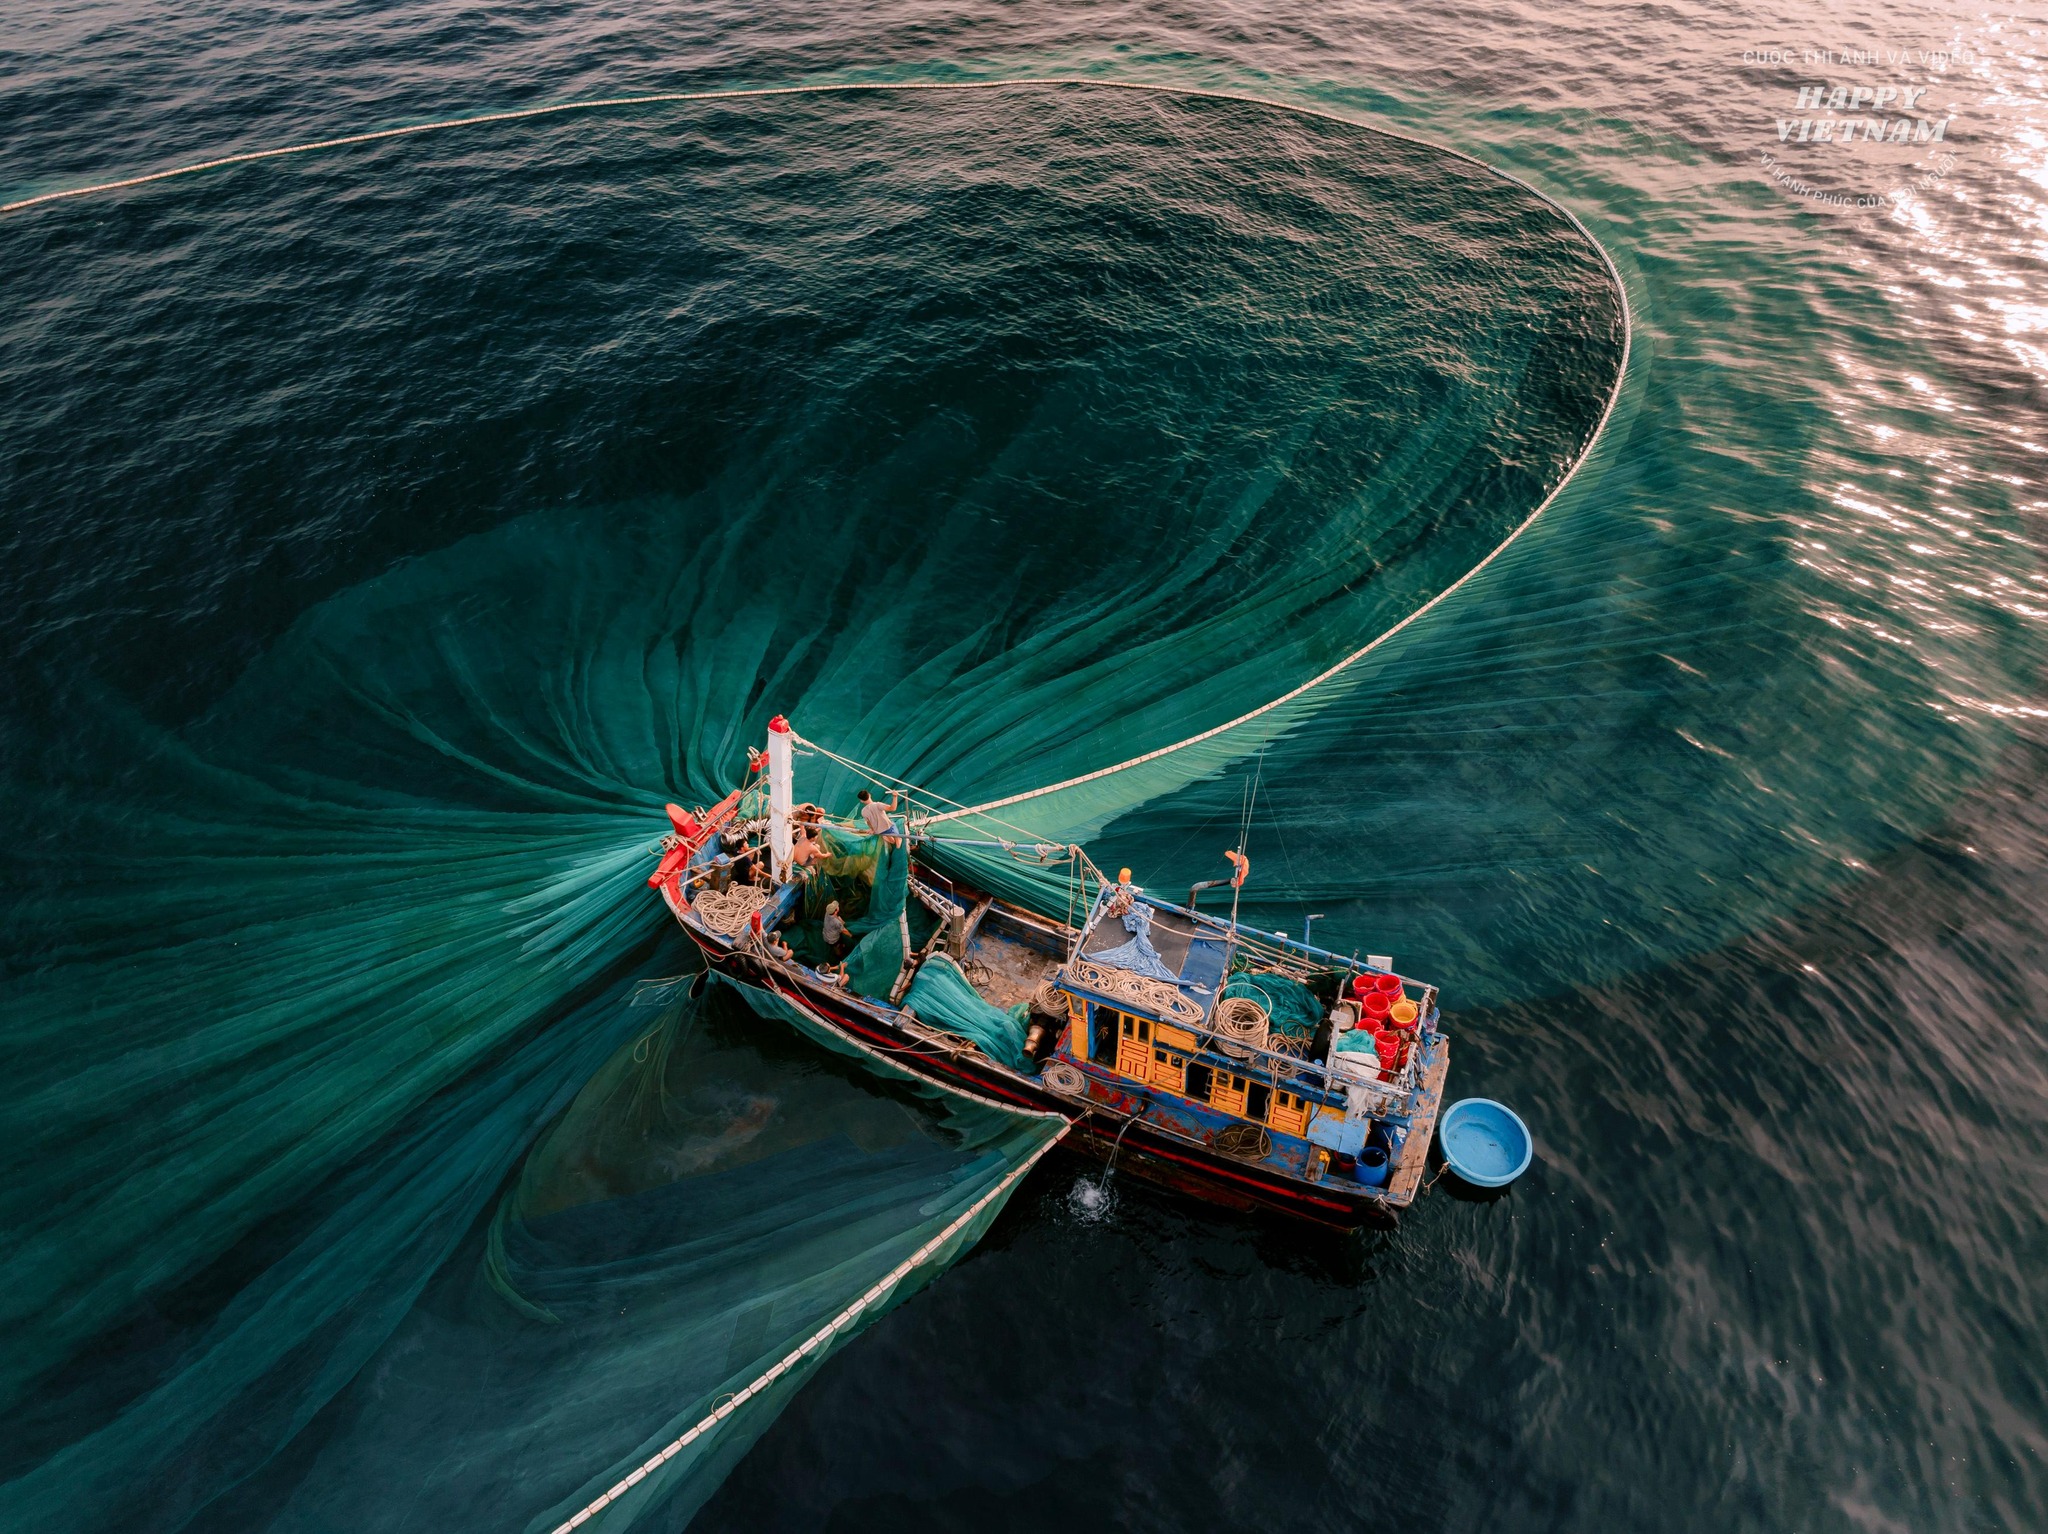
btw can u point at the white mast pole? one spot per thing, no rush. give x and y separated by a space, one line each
780 799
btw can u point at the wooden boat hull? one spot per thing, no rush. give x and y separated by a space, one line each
1109 1118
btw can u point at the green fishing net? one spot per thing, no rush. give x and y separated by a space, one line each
1290 1006
868 879
877 959
716 1212
944 997
314 1219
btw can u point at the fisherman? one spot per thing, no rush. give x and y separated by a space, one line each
878 817
805 852
834 933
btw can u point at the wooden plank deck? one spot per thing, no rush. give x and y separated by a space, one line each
1429 1102
1014 971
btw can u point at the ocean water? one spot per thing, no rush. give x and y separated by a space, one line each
389 530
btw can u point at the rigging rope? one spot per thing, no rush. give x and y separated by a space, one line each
1040 850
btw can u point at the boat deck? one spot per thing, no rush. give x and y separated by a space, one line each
1128 1089
1429 1099
1010 970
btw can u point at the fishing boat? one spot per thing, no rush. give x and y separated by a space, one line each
1246 1068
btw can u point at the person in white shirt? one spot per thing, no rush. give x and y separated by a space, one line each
878 817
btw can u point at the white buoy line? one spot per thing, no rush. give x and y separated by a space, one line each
621 103
876 1295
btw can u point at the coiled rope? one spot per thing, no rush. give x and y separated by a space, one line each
1240 1027
1122 985
729 912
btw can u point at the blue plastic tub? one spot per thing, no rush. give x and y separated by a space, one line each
1485 1142
1373 1170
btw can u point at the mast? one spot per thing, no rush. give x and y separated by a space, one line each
1240 865
779 796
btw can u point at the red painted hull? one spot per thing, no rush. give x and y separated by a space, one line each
1147 1151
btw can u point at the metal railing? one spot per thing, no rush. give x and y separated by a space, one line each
1325 1084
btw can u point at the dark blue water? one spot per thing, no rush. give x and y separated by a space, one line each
388 531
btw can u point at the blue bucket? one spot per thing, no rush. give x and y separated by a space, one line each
1486 1142
1373 1170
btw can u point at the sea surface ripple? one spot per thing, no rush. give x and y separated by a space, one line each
427 512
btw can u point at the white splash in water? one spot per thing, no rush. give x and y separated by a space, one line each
1090 1200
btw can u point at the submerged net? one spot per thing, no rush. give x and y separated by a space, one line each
720 1209
302 959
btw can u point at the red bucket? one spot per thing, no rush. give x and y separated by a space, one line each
1390 987
1377 1005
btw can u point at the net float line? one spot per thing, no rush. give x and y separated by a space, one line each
815 1344
661 98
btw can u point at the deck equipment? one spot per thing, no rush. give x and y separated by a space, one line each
1241 1066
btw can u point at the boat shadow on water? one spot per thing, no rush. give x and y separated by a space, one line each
1068 1193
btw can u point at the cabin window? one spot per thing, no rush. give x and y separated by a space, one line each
1258 1101
1168 1070
1199 1079
1290 1113
1227 1092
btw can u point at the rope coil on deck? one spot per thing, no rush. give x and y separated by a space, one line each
729 912
1063 1077
1249 1141
1241 1026
1122 985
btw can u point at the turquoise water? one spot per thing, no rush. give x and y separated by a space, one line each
391 530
